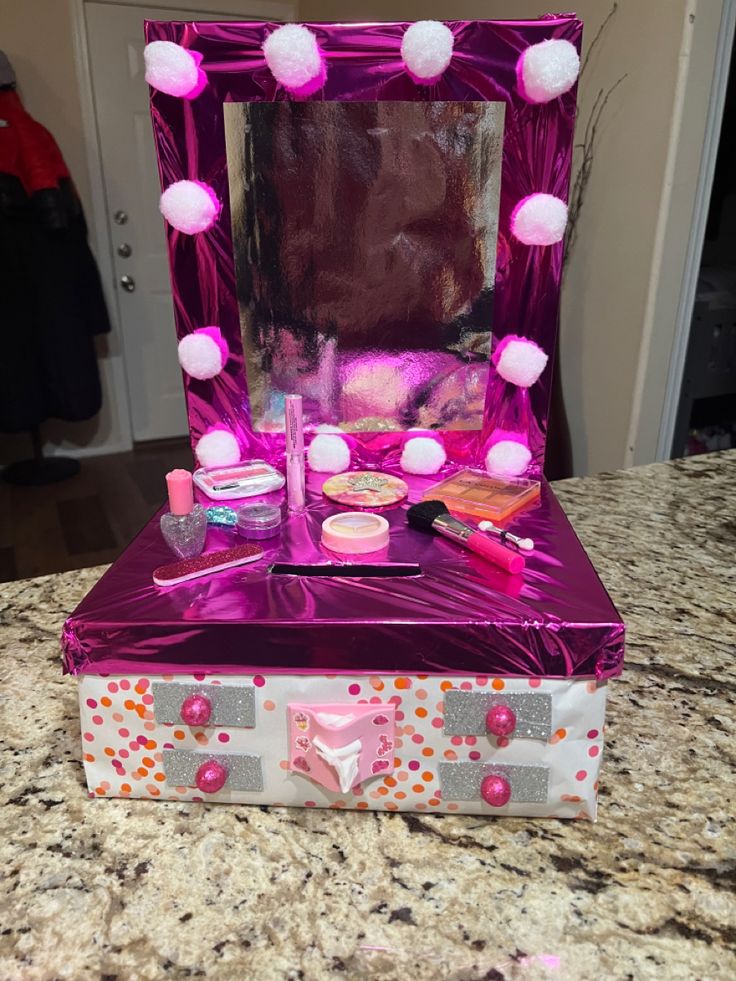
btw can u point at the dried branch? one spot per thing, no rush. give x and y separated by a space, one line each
588 146
598 34
582 176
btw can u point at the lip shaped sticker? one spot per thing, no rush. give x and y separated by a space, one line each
380 720
378 766
301 764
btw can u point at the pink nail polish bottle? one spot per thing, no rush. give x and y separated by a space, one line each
184 527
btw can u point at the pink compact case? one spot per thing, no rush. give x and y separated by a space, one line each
355 532
240 480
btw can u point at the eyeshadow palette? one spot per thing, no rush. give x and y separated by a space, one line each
495 498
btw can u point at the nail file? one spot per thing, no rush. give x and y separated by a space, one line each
205 565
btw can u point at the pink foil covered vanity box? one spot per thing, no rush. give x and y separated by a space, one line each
371 217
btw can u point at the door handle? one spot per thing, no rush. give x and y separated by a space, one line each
128 283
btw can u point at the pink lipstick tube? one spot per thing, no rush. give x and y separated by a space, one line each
295 493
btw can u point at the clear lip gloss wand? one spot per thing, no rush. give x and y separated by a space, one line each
294 454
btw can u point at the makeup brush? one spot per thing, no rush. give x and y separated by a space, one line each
434 516
526 544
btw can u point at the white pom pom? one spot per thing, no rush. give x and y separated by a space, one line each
189 206
426 49
172 69
293 55
200 355
508 458
547 70
218 448
328 454
422 455
539 219
519 360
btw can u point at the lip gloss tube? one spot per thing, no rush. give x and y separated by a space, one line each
295 493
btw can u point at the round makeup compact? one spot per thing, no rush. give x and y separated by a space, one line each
355 532
365 489
256 521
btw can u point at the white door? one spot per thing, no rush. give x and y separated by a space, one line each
115 43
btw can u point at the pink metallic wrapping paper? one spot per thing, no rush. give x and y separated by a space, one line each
365 64
461 615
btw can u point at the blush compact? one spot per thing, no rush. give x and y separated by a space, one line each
355 532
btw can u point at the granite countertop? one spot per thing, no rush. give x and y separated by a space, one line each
138 889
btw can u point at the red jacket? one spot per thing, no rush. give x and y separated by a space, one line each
27 150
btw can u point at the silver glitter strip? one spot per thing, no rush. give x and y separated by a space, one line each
465 713
244 771
462 780
232 705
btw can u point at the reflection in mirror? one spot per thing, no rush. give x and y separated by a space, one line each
365 255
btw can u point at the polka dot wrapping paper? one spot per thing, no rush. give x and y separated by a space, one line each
125 747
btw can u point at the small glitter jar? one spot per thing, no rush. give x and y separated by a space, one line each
257 521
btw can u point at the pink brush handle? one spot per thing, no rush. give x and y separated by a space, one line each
500 556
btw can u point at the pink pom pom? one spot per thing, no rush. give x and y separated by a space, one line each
190 206
519 360
196 710
508 454
539 219
547 70
295 59
172 69
495 790
211 777
218 448
422 455
203 353
426 50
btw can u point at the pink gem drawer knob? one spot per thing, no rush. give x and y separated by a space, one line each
501 720
211 777
196 710
495 790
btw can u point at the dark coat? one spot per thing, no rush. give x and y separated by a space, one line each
51 300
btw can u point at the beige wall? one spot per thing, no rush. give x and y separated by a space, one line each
608 309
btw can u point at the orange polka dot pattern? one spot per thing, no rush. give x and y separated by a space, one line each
124 745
